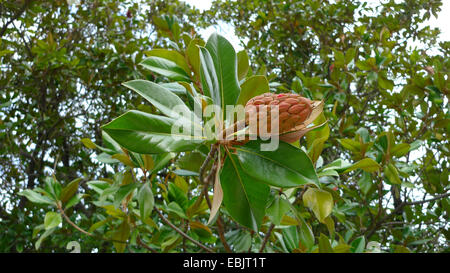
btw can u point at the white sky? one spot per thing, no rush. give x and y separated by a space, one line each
227 30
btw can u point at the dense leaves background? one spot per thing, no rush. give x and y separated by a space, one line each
387 109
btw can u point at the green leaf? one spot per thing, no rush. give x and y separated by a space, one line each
274 167
253 86
390 171
225 61
315 139
365 182
170 55
178 195
243 64
73 201
161 161
52 220
88 143
366 164
277 209
177 209
306 235
290 238
121 235
385 83
324 244
146 201
208 77
36 197
47 233
244 197
400 150
193 55
161 98
99 224
165 68
148 134
358 245
68 191
123 192
52 187
363 65
319 201
350 144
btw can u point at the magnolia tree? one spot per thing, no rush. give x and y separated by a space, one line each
219 158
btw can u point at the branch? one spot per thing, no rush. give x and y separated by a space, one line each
61 210
210 155
144 245
266 238
403 204
15 17
165 220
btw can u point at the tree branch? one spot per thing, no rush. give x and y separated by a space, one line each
403 204
266 238
165 220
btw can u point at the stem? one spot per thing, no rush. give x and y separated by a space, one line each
266 238
165 220
82 230
144 245
403 204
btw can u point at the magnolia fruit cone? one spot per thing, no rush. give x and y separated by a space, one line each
291 113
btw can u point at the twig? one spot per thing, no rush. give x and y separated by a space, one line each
165 220
61 210
266 238
144 245
403 204
209 157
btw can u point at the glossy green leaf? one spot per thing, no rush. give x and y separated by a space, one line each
274 167
324 244
52 220
170 55
210 82
120 235
165 68
366 164
253 86
277 209
244 197
243 64
193 55
400 150
391 172
365 182
123 192
47 233
149 134
224 60
319 201
68 191
166 102
315 139
350 144
36 197
146 201
358 245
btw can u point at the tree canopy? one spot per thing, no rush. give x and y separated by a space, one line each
89 96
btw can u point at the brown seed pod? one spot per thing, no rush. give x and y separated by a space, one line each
291 113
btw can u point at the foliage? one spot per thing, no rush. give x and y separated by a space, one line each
375 175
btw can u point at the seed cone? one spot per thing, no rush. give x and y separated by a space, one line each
286 115
288 111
